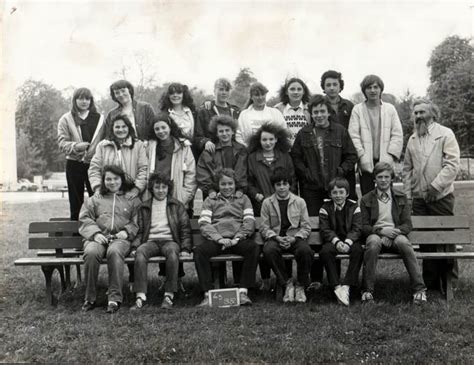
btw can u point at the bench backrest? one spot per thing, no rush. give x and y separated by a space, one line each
426 230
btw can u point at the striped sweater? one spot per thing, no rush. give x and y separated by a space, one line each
227 218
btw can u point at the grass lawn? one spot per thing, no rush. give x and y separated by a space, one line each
391 330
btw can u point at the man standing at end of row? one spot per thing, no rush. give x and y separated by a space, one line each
431 164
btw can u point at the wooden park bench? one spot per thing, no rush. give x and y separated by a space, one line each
62 248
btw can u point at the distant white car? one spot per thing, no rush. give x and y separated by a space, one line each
26 185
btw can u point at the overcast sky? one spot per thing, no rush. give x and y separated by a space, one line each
87 43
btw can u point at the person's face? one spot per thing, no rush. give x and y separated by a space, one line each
320 115
120 129
383 180
112 182
160 191
268 141
295 92
332 88
123 95
222 94
282 189
339 195
162 130
373 92
176 98
422 113
224 133
259 99
83 103
226 186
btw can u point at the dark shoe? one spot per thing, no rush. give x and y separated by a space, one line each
167 302
112 308
88 306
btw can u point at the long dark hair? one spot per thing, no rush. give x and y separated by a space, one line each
128 123
283 143
127 182
82 92
283 93
175 132
188 101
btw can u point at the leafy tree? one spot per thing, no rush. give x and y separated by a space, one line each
452 67
240 93
29 161
39 107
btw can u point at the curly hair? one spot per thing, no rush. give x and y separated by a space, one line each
160 178
331 74
176 87
127 181
131 131
121 84
283 93
283 142
219 174
175 132
280 174
225 120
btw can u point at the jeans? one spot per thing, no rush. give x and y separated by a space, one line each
115 252
170 250
400 245
328 256
272 253
434 271
207 249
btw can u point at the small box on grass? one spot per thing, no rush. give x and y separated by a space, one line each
224 298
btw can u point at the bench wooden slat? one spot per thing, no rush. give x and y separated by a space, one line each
55 242
440 222
462 237
54 227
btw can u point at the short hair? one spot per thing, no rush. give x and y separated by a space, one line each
279 174
160 178
384 166
223 82
220 173
127 181
319 99
121 84
283 141
176 87
339 182
283 93
432 107
256 88
369 80
128 123
82 93
331 74
222 120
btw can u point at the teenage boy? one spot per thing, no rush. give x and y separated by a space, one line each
164 229
340 228
386 222
285 228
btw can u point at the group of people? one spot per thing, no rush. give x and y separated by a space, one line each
142 168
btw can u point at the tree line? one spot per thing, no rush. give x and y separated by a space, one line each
40 105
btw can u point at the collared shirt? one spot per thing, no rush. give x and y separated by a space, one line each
339 207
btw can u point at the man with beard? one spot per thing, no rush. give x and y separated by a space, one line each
431 164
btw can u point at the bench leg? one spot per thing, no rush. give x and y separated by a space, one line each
219 274
448 279
78 275
48 274
67 270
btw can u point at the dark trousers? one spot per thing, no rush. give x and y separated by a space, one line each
207 249
328 256
351 178
367 182
272 252
314 201
434 271
77 179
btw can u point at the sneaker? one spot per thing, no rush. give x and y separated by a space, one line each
167 302
139 303
342 294
420 297
300 296
112 307
205 302
315 285
367 297
289 293
265 285
88 306
244 299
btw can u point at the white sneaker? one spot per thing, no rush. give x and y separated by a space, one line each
289 293
300 296
420 297
367 297
342 294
